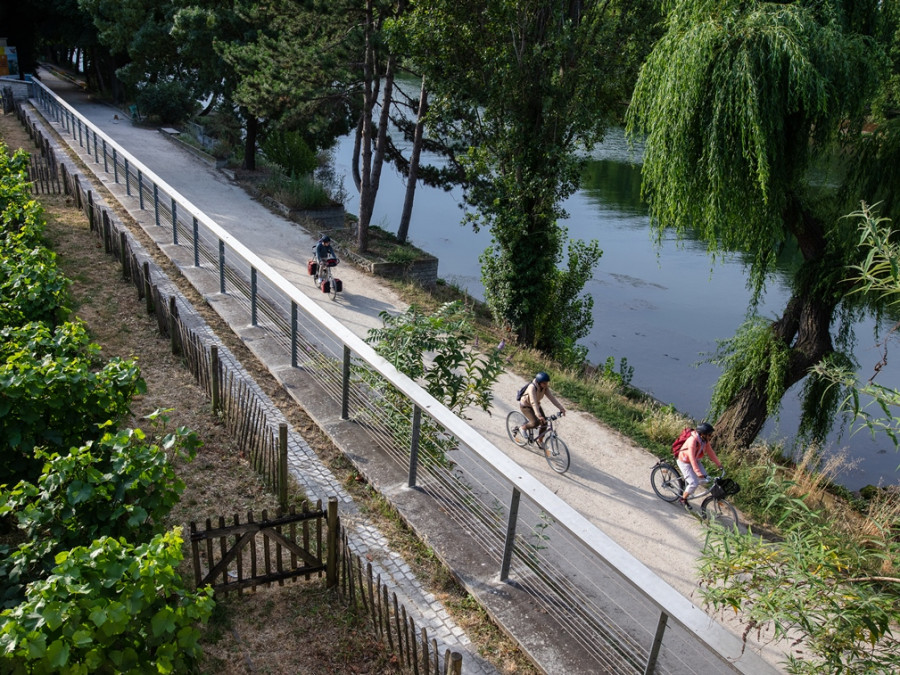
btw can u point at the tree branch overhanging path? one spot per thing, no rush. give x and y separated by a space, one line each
736 103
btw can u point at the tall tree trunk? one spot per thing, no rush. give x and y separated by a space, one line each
805 327
369 93
249 162
412 175
357 148
373 158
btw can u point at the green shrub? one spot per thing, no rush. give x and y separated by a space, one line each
32 288
122 485
298 192
109 607
17 207
56 392
169 101
288 150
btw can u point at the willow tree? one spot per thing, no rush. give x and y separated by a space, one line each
735 103
524 86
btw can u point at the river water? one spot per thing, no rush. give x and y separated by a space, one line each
661 308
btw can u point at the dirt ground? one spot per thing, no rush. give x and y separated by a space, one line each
299 628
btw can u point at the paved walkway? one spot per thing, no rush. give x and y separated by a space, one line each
609 479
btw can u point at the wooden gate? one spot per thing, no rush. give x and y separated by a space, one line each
266 551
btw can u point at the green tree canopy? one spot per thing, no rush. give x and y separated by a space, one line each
524 86
735 102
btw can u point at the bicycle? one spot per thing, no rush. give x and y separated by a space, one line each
668 484
324 278
555 450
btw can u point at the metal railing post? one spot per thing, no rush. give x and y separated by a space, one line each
345 385
80 135
105 164
293 334
657 643
141 189
127 177
414 445
196 242
510 534
96 159
253 289
221 266
115 165
174 222
156 203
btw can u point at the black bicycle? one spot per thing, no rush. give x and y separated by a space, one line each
668 484
555 450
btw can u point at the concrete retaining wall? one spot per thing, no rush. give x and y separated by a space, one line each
324 218
423 271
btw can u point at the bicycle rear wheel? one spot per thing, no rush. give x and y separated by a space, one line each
557 454
515 420
667 482
720 511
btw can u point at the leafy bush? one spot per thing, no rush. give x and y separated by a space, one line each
297 192
18 209
56 392
458 375
825 580
169 101
32 288
108 607
289 151
120 486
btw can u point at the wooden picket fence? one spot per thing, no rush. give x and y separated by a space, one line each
241 556
365 592
244 555
43 169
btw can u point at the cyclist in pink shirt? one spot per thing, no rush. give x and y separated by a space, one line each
694 449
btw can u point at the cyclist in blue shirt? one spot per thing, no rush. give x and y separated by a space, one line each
324 254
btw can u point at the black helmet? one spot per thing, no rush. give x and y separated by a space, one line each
704 429
326 239
541 377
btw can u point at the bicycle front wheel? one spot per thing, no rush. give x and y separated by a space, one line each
720 511
557 453
332 289
514 421
667 482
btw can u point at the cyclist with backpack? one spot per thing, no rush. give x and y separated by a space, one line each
530 397
694 448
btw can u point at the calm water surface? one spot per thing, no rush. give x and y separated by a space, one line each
662 308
